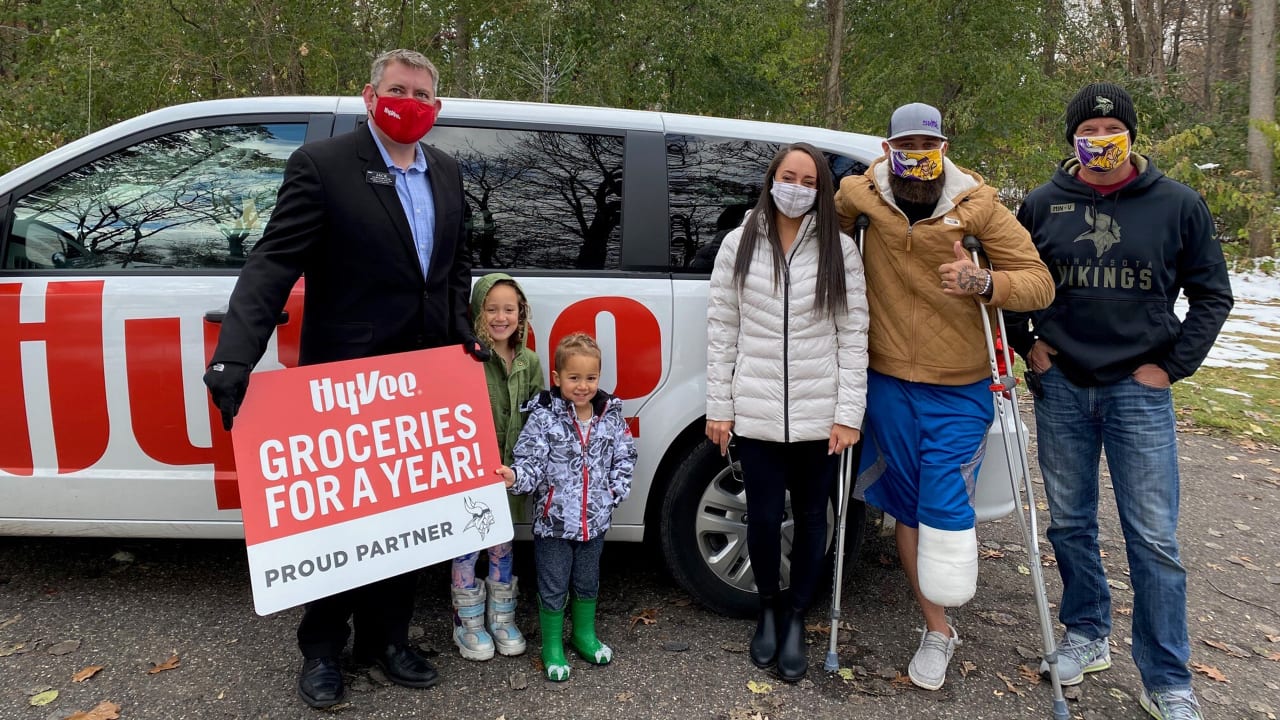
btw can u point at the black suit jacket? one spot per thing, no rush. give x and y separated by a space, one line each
365 293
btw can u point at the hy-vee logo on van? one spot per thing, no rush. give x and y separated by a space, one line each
326 394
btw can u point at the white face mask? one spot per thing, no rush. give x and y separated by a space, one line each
793 200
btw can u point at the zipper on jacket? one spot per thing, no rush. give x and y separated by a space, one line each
786 332
586 475
546 507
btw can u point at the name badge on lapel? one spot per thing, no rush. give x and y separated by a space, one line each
374 177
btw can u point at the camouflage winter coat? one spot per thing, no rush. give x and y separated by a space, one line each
577 475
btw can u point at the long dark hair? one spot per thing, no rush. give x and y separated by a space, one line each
831 271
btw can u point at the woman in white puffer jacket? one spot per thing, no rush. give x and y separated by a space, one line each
786 375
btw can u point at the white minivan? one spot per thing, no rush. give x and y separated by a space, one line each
118 253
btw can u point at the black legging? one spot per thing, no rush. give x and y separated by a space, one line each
769 469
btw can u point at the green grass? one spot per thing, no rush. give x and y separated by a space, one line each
1200 403
1255 415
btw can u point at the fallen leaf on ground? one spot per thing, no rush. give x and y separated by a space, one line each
43 698
624 696
819 627
1009 684
989 554
169 664
6 623
1024 570
1030 673
647 616
14 649
902 680
86 673
64 647
1231 650
759 688
998 618
1048 560
105 710
1243 561
1273 638
1126 611
967 667
1103 553
1210 672
845 673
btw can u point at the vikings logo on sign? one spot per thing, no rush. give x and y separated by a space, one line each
481 516
916 165
1103 153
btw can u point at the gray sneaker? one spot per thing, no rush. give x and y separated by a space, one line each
1078 655
1171 704
928 669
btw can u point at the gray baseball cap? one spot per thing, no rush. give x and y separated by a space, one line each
916 119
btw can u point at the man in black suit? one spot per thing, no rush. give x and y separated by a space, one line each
376 221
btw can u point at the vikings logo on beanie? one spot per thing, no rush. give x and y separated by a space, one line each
1101 99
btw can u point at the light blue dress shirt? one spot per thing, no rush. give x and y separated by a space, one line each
413 187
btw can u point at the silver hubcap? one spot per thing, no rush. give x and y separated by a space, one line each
721 531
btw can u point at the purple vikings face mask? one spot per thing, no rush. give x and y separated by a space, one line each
1102 153
916 164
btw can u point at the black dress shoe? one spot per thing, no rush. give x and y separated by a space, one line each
404 666
764 644
793 656
320 682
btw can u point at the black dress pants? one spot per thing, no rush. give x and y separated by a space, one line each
769 471
380 611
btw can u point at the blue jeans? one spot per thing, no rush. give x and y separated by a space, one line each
1135 425
562 564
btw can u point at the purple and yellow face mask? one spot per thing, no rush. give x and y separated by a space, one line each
1102 153
916 164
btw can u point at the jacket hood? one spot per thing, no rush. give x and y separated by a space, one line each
478 294
1067 176
601 403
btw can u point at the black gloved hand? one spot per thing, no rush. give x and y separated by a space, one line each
475 348
227 383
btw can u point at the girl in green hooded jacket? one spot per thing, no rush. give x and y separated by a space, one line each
500 314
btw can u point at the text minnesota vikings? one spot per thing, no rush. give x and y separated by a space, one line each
297 463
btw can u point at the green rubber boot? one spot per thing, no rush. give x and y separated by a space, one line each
583 637
552 623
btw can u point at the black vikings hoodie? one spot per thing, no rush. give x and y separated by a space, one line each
1118 262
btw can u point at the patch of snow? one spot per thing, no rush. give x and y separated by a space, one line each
1229 391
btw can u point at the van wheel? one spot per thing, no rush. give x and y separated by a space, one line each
703 532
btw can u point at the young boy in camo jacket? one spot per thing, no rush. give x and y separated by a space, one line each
576 456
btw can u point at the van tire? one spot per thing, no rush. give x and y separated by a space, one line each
702 532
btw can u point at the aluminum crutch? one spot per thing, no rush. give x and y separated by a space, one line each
847 470
1005 385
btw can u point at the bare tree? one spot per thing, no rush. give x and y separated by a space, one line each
1262 110
545 67
835 49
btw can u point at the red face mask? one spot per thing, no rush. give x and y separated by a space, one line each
403 119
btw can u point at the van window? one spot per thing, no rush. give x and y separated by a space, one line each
713 183
192 199
540 200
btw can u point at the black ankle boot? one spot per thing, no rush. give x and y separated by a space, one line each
793 656
764 644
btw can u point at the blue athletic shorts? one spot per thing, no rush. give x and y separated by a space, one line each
924 444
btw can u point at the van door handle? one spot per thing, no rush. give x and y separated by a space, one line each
217 316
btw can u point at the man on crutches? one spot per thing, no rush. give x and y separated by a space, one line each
1123 241
929 403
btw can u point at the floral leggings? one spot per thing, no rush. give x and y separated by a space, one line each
464 567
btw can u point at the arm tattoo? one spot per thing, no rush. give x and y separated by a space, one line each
971 280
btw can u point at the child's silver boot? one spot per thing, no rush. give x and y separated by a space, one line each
502 617
473 641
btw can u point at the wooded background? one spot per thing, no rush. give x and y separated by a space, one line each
1201 72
